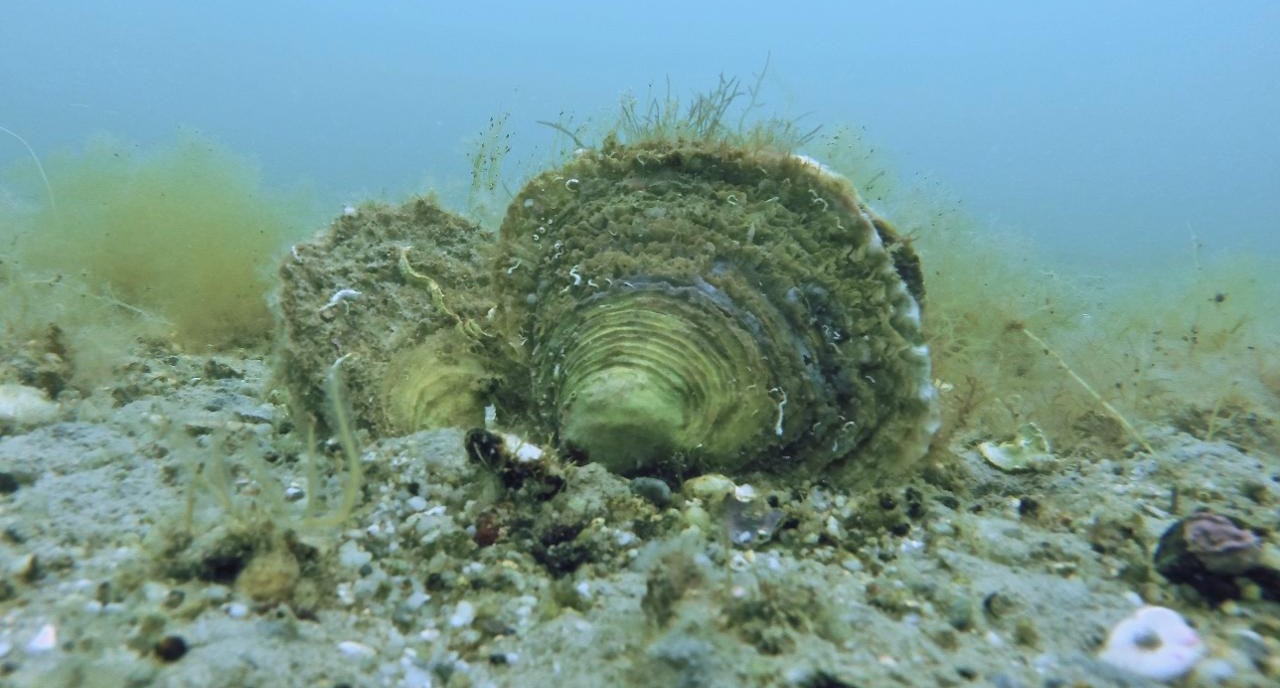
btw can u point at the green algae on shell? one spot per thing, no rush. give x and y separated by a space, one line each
683 307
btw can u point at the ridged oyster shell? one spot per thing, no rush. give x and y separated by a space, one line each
687 307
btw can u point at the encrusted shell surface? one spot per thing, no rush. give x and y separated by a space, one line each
691 307
407 366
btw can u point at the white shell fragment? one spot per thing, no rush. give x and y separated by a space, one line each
44 640
709 487
1155 642
23 407
1028 451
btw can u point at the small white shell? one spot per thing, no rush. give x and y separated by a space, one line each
709 487
1155 642
1029 450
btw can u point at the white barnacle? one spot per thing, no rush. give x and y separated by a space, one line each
341 296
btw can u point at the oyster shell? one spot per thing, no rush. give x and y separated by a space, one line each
347 292
683 307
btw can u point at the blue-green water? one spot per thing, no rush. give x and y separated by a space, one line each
1091 126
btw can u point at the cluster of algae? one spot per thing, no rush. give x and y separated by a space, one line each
174 243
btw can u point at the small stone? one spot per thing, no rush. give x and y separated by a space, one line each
174 599
171 648
350 648
462 615
652 490
44 640
1215 671
237 610
351 556
26 568
415 601
417 503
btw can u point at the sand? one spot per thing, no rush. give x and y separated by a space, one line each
121 567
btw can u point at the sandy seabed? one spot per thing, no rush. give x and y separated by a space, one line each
120 568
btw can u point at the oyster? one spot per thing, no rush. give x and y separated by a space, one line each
357 291
663 308
683 307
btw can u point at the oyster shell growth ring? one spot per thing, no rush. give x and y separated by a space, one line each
684 307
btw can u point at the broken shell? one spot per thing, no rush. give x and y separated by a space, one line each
685 307
1029 450
709 487
23 407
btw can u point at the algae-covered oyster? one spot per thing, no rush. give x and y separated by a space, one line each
371 288
682 307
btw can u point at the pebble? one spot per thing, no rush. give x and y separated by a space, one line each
1252 644
1215 671
417 503
350 648
415 601
351 556
653 490
462 615
44 640
237 610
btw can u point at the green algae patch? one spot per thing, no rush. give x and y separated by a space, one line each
183 235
